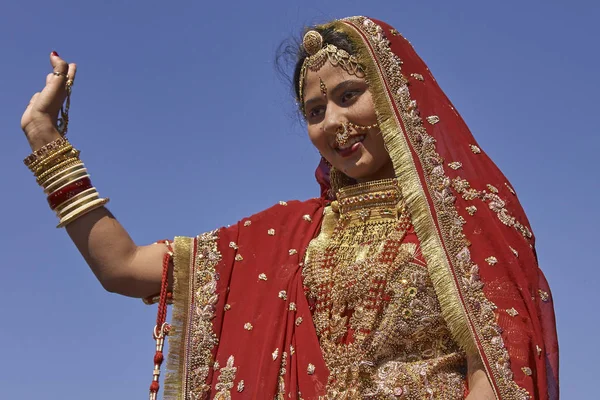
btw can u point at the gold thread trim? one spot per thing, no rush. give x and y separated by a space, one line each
195 294
174 381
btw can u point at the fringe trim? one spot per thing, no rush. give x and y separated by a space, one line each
182 268
399 150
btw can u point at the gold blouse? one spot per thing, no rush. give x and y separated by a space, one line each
374 307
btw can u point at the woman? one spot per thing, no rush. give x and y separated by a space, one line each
413 276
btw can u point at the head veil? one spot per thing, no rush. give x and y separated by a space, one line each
473 231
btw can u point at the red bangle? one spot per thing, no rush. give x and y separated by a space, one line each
69 191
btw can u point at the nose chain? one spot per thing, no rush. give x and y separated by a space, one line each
342 134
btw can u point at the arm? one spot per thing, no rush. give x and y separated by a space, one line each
119 264
479 385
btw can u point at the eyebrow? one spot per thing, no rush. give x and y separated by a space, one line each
338 88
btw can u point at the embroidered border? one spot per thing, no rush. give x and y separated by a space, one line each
192 339
468 312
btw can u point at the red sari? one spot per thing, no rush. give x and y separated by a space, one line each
242 326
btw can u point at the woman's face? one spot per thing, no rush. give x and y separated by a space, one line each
334 98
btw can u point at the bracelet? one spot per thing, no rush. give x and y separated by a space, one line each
75 176
67 219
43 151
68 191
59 178
57 168
88 196
50 159
65 180
75 199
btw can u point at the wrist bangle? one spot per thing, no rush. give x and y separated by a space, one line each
65 180
60 209
44 151
57 168
70 173
88 196
46 162
68 191
67 219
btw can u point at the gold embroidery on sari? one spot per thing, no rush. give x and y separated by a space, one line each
376 314
495 204
433 119
225 381
455 165
194 293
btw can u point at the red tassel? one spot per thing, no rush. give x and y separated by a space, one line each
162 328
154 386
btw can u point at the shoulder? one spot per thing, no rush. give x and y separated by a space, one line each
286 210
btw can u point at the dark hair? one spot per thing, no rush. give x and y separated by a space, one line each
290 52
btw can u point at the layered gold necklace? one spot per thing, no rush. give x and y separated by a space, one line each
347 270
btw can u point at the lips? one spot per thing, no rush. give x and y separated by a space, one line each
351 141
351 146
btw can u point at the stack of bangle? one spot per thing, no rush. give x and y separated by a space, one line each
65 180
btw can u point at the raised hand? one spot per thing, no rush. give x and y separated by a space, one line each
40 117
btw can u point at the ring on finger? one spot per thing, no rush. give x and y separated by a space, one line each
69 82
56 73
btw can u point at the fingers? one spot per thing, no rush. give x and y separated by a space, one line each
58 64
72 71
57 82
61 69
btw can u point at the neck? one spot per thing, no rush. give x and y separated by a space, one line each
386 172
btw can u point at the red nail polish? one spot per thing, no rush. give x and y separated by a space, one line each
55 54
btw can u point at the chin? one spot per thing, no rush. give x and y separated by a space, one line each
361 171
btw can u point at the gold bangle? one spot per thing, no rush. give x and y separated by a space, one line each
49 159
68 203
69 162
60 167
43 151
53 180
66 179
76 202
69 181
55 159
81 212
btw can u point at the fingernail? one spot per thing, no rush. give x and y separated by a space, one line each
55 54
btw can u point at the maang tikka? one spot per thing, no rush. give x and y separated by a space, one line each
318 53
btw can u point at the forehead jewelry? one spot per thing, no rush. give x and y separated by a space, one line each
318 53
323 87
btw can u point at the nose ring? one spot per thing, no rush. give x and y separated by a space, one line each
341 135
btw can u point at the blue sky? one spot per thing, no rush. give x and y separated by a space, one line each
184 123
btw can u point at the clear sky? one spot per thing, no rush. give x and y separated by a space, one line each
185 125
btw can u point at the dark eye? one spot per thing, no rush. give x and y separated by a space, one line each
316 112
349 95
